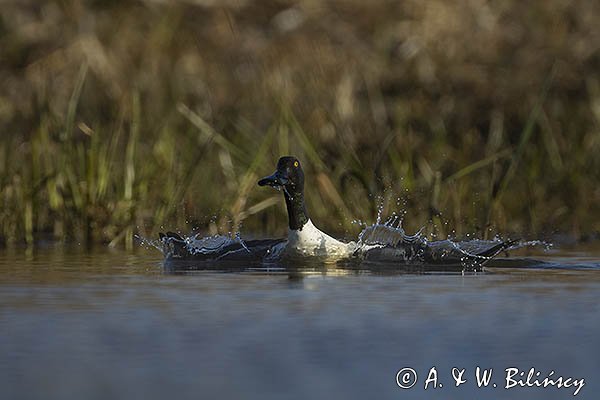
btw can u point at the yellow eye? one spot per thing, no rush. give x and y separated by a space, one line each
296 164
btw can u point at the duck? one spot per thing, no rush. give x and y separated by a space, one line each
380 243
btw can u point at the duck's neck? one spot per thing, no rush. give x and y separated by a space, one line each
297 216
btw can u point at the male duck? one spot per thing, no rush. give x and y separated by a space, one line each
305 239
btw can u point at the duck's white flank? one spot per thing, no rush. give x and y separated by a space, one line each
310 241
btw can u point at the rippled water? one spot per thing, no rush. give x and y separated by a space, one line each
104 324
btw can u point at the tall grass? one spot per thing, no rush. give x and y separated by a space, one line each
119 118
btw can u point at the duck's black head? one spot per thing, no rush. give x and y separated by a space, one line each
290 177
289 174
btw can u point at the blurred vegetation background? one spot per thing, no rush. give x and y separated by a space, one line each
469 116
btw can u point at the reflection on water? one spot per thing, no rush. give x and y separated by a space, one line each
107 324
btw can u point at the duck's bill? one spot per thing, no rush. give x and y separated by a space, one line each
275 180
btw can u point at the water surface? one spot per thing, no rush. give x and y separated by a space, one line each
112 324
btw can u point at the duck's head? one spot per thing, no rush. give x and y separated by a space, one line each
290 177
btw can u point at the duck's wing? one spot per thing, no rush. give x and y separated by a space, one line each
169 234
215 248
494 250
251 250
439 254
401 252
480 251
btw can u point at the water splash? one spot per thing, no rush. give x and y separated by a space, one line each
380 208
238 237
147 243
287 193
390 233
385 242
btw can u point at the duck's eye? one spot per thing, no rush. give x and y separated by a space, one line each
296 164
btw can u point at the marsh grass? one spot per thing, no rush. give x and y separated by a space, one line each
134 117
